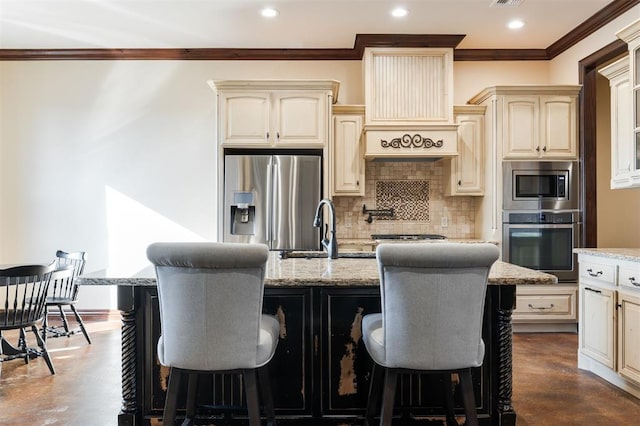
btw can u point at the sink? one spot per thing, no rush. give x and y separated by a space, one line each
323 254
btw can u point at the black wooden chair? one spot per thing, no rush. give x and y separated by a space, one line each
23 294
65 293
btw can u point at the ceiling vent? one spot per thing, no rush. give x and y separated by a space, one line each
505 3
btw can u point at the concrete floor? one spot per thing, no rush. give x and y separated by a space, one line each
548 388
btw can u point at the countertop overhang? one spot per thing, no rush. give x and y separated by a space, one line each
305 272
630 254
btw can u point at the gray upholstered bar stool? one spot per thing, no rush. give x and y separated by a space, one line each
432 297
210 297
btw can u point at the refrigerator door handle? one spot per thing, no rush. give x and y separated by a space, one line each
271 202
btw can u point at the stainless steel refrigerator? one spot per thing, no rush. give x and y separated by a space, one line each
272 199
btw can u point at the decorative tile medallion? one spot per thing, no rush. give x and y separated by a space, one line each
408 198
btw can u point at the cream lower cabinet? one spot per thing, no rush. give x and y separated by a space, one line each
466 170
546 303
629 335
629 321
274 114
546 308
347 164
609 320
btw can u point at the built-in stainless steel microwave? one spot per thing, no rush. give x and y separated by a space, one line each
540 185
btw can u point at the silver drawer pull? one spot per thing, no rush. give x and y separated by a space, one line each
595 291
633 281
541 308
597 274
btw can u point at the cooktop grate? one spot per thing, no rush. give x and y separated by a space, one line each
407 237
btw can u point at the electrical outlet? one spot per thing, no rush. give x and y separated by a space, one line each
444 221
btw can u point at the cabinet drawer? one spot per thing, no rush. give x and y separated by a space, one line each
629 276
597 272
546 304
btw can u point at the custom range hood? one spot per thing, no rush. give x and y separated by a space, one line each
409 103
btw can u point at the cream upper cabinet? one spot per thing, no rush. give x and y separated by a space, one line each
276 114
621 122
631 35
540 127
625 144
466 171
533 122
347 165
520 126
559 126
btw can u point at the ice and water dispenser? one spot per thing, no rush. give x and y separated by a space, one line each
243 214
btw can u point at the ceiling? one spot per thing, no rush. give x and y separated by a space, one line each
301 24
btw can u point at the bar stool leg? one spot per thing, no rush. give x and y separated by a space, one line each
388 397
251 390
171 399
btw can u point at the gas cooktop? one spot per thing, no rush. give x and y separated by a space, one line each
407 237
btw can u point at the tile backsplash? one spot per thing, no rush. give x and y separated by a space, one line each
415 190
409 199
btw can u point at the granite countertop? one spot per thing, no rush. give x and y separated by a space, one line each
629 254
370 242
294 272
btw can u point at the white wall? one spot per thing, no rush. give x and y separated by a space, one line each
471 77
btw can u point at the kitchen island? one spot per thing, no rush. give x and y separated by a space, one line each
320 373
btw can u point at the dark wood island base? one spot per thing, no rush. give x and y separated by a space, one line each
321 371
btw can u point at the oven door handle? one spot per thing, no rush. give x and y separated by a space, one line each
540 225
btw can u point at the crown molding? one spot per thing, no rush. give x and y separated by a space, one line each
591 25
500 55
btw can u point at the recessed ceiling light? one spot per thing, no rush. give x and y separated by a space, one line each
268 12
515 24
399 12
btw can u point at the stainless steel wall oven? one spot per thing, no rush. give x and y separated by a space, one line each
542 241
541 217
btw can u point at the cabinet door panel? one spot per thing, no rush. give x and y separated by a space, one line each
629 337
348 160
559 124
467 169
301 118
521 124
245 118
597 324
291 391
346 363
621 134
